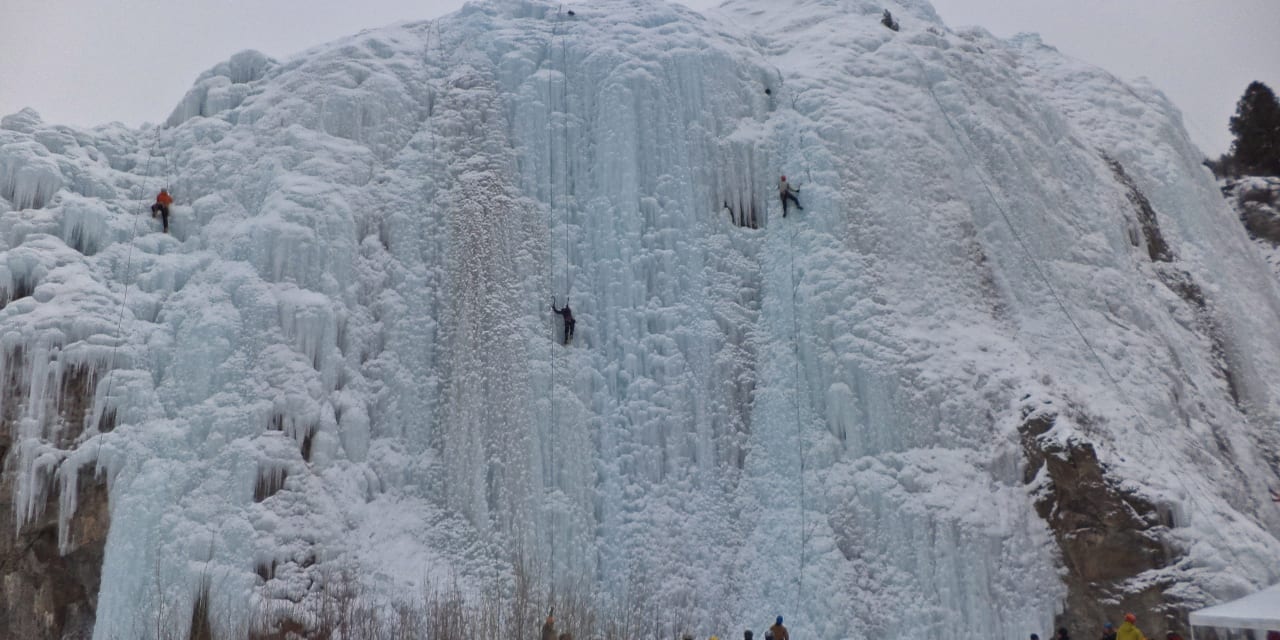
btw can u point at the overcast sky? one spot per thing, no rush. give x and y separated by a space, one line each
86 62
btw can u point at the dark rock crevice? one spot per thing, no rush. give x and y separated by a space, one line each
1184 285
743 210
1114 543
1181 282
49 587
45 593
1157 247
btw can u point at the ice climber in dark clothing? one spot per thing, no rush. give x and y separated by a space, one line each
786 191
568 319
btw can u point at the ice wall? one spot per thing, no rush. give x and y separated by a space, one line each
343 356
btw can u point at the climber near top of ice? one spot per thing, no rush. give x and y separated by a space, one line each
888 21
785 191
567 314
163 200
549 629
780 632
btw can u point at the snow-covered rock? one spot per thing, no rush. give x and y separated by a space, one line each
861 416
1256 199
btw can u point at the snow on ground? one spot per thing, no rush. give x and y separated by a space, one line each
818 417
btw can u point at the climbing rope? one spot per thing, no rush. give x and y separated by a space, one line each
549 56
800 444
551 161
568 165
124 298
795 349
1040 273
438 62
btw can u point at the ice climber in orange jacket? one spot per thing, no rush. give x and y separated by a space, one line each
163 200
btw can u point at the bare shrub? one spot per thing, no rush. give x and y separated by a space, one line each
514 606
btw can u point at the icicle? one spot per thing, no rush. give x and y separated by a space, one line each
37 464
68 477
270 481
28 176
84 226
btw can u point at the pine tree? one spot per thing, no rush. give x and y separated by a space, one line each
1256 126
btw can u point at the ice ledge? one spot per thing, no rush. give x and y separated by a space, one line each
223 87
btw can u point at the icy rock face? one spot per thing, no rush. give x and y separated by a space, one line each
1256 199
223 87
343 357
51 586
25 121
28 176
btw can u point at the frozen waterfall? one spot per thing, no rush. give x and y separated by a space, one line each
344 355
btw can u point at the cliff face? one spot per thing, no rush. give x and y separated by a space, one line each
1256 200
1011 365
49 576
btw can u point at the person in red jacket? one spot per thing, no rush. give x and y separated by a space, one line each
163 200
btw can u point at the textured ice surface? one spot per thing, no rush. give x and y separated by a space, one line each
344 354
